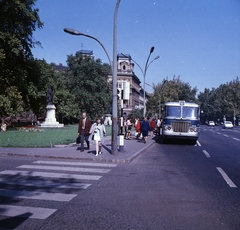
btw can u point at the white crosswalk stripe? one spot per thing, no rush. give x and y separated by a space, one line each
27 212
77 172
105 165
45 183
52 175
36 195
75 169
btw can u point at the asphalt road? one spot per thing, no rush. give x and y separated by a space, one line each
170 186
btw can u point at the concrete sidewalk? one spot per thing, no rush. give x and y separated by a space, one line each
132 148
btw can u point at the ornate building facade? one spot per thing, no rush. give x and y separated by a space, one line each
125 73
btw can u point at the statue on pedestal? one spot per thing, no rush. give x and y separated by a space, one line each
49 95
50 120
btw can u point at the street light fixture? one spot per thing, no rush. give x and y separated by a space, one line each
144 74
144 77
78 33
114 74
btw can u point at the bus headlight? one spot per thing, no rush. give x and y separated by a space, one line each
167 127
193 129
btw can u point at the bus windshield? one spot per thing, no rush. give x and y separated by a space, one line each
190 112
173 111
187 112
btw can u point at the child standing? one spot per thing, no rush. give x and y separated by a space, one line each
98 131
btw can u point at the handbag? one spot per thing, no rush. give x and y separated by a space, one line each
78 140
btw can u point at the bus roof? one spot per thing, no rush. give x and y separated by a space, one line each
181 103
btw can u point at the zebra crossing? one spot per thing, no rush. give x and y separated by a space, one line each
44 175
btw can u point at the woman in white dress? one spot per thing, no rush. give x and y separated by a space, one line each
98 132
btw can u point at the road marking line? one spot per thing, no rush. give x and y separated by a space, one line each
52 175
225 135
226 178
36 195
236 139
26 212
75 163
198 143
206 153
45 183
62 168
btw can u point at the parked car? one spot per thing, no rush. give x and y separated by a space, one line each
211 123
228 125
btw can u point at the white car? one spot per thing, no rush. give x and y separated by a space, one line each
211 123
228 125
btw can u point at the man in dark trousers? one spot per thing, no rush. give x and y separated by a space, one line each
83 130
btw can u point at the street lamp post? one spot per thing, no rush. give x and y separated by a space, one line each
114 73
114 84
144 77
144 74
159 95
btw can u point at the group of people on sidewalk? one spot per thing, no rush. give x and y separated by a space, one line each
88 132
142 128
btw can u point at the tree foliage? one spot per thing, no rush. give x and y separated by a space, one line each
11 102
88 82
18 20
41 76
222 101
170 90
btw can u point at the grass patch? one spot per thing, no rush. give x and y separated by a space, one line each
44 137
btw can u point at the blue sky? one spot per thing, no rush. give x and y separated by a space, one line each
196 40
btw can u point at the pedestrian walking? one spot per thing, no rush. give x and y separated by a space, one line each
98 132
152 126
137 127
158 126
145 128
84 127
129 128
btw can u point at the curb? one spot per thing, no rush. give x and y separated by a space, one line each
98 159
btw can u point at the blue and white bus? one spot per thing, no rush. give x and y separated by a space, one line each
181 121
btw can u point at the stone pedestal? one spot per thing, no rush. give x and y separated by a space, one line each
50 120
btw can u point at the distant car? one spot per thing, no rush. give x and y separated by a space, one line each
211 123
228 125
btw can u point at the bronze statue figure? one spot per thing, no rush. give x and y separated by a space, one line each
49 95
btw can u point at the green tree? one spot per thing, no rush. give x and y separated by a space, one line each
88 82
18 20
41 76
11 102
220 102
172 90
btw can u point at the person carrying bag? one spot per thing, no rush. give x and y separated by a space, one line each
98 132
